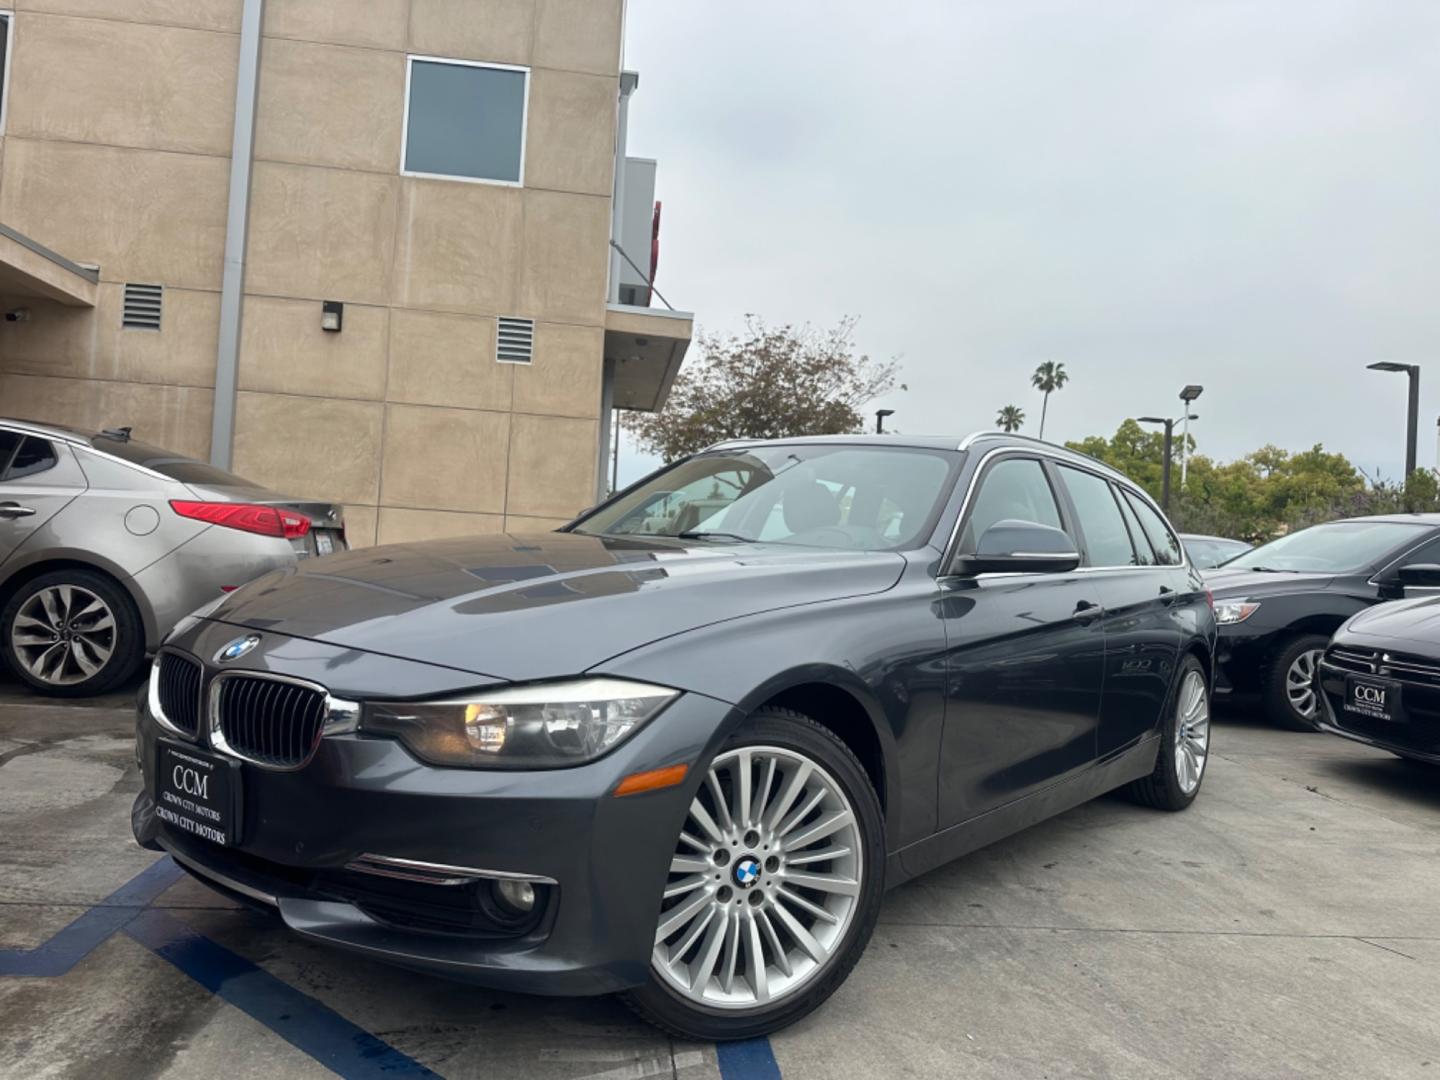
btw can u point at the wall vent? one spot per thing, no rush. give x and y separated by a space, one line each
142 307
514 340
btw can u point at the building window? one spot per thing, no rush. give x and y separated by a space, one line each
465 120
7 20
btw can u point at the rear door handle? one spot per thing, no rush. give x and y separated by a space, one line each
15 510
1086 612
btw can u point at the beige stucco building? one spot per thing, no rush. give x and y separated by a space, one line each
444 169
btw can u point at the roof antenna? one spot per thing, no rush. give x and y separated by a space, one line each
122 434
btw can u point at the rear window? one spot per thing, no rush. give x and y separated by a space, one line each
166 462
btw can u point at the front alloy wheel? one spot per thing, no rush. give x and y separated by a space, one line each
773 888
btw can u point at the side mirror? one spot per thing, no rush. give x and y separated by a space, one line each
1419 575
1020 547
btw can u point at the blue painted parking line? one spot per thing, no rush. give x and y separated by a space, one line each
752 1059
71 945
296 1017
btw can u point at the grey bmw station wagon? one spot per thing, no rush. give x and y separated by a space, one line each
679 748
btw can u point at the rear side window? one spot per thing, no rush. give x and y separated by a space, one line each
33 456
1144 556
9 443
1167 548
1015 489
1107 541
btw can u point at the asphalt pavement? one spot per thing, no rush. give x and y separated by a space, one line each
1287 925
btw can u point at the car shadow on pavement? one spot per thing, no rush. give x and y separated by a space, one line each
1411 780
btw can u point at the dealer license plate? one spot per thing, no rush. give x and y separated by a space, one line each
1374 699
198 793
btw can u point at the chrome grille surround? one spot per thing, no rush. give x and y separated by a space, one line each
174 693
274 721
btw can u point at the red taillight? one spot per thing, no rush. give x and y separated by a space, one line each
247 517
1210 599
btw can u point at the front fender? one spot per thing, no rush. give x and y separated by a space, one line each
885 652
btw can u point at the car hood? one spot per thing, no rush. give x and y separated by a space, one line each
534 607
1224 583
1415 621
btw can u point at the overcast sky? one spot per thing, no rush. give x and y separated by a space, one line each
1243 195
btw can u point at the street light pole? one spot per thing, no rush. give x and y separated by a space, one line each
1169 443
1412 427
1188 396
880 415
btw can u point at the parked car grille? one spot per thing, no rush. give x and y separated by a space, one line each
178 685
1403 668
269 721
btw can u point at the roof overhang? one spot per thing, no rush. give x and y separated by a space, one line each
28 268
647 346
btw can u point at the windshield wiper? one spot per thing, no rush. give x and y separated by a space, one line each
1271 570
701 535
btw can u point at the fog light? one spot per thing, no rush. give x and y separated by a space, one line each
518 896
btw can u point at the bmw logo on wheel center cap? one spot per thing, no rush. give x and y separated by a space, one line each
747 871
237 648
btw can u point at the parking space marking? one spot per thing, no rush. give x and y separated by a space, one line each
75 942
752 1059
298 1018
301 1020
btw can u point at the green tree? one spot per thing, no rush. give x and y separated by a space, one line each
765 383
1010 418
1049 377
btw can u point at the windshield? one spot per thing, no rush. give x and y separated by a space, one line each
850 497
166 462
1338 548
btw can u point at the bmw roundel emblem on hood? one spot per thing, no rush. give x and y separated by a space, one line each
237 648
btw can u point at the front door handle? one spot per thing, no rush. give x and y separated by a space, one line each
1086 612
15 510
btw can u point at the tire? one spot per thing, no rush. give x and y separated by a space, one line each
101 648
1280 693
1184 744
755 895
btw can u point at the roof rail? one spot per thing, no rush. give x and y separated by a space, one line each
975 436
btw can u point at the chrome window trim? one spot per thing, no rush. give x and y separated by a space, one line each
219 878
1063 457
436 873
341 717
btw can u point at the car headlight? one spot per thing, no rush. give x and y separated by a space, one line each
1235 611
539 726
195 616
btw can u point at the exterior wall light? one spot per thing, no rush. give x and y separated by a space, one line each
332 316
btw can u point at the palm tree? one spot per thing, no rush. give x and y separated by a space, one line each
1010 418
1049 377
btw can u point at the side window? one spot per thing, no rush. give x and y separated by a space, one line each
1013 489
1144 555
1167 548
33 456
1106 541
9 443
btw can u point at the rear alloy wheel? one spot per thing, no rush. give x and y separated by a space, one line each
1184 746
774 884
71 633
1292 698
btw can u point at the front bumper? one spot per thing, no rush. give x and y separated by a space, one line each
608 857
1241 655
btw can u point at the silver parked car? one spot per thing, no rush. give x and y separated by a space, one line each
106 542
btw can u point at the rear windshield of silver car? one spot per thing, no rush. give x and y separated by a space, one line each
166 462
855 498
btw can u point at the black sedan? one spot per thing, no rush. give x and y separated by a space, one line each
680 752
1278 604
1380 677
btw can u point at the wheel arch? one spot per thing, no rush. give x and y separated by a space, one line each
19 575
838 700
